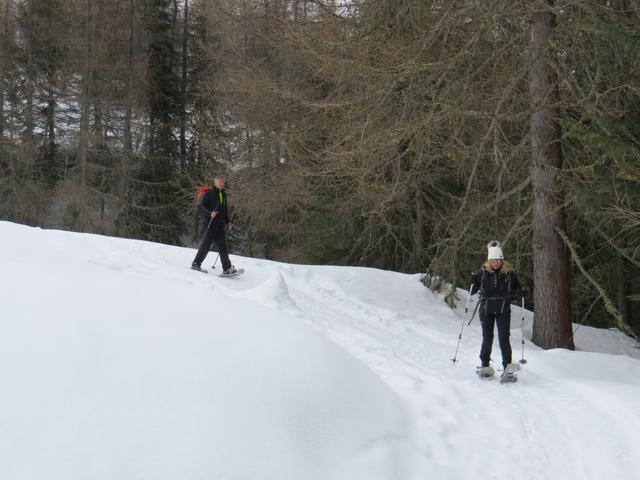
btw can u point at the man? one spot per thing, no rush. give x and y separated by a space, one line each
212 207
497 283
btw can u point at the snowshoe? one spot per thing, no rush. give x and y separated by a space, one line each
509 373
232 272
485 373
198 268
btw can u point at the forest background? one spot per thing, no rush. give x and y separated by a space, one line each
396 134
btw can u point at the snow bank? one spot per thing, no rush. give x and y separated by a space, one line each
118 362
109 369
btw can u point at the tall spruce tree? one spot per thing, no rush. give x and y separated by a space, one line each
552 322
157 182
47 49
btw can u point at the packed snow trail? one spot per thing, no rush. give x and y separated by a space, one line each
556 422
118 362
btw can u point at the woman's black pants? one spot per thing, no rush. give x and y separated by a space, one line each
488 320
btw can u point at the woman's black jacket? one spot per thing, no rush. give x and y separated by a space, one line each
497 288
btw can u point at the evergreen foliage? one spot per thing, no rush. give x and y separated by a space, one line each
387 133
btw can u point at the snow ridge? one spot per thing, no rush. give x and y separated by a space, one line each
117 362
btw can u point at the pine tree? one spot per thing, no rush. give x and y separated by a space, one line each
157 204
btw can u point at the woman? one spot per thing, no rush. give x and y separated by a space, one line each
497 283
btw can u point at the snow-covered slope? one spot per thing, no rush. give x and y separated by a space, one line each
118 362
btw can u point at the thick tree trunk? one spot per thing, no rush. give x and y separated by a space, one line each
552 295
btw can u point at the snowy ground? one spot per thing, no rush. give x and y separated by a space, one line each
118 362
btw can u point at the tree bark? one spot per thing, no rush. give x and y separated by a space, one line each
552 295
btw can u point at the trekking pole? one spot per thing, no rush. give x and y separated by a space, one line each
474 312
464 318
522 360
206 230
214 263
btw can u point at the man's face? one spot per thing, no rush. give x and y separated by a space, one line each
219 183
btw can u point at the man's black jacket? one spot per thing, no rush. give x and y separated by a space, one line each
216 200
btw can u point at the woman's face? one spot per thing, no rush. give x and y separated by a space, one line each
495 264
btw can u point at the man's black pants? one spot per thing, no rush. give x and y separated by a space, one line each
504 324
214 233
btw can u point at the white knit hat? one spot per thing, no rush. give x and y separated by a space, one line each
494 251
